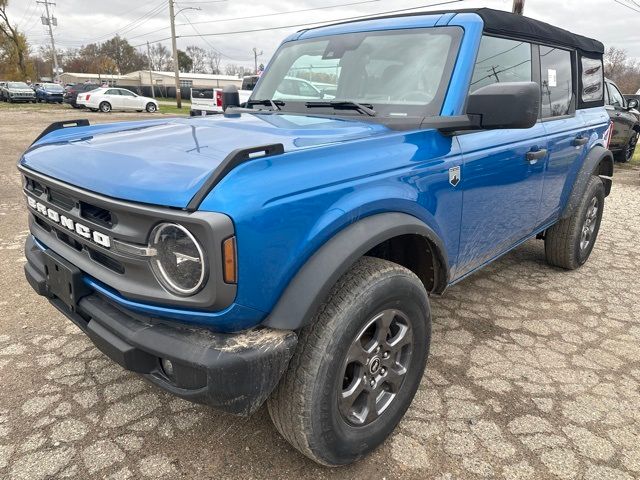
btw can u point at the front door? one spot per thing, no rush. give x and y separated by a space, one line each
623 120
503 170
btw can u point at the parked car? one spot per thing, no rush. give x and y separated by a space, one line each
3 85
50 93
626 122
205 101
285 252
71 92
108 99
18 92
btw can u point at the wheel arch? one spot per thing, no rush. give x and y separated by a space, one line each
599 161
382 235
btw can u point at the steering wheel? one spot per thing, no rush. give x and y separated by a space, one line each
417 95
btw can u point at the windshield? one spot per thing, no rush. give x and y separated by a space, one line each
397 72
53 88
17 85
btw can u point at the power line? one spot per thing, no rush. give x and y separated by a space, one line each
260 16
208 42
306 24
627 5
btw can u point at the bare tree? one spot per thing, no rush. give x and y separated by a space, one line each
199 58
160 57
622 70
14 44
214 58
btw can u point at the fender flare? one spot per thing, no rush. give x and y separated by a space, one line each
591 166
313 282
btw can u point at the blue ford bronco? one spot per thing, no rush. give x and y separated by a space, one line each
284 251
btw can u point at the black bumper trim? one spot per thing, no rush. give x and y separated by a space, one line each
231 372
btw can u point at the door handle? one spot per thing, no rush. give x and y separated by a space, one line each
535 155
578 141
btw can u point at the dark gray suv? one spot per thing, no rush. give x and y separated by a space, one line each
626 122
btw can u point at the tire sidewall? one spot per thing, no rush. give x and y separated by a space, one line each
335 440
595 188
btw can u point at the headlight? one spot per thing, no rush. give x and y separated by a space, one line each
180 263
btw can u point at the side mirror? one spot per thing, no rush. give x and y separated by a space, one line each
230 97
632 103
506 105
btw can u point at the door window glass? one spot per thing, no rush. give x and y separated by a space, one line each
113 91
501 60
615 97
127 93
556 81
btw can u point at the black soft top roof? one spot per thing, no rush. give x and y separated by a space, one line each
511 25
500 22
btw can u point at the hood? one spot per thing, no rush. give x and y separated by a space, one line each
165 162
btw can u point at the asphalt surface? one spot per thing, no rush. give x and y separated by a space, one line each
534 373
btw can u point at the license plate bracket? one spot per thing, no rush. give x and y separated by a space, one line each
64 280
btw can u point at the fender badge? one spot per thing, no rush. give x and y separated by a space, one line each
454 175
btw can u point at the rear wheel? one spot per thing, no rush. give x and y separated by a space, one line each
569 242
357 366
105 107
151 107
626 154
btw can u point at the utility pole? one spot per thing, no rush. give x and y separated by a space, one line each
48 21
255 59
518 7
153 94
174 45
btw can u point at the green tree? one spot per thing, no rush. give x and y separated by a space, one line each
126 58
185 64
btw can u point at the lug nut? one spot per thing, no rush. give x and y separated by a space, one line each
383 371
378 348
385 355
372 382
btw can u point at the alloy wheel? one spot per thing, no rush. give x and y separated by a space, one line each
589 225
375 367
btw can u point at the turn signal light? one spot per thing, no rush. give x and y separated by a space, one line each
229 260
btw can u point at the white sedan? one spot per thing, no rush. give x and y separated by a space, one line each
107 99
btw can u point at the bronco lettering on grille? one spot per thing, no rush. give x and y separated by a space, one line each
82 230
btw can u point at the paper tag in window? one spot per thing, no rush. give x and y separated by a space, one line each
552 78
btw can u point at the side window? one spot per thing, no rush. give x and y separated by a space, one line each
556 81
501 60
615 97
112 91
592 79
126 93
288 87
307 90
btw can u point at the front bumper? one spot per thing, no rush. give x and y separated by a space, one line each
231 372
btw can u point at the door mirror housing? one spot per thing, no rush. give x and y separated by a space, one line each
632 103
230 97
505 105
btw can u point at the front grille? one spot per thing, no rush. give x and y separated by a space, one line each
98 215
61 200
106 261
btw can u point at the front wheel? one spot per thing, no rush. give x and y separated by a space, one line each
151 107
105 107
357 366
569 242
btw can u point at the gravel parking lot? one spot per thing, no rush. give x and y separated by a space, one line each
534 373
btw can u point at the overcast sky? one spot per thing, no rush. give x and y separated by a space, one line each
87 21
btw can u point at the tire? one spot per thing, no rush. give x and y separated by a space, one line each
305 407
626 154
151 107
105 107
569 242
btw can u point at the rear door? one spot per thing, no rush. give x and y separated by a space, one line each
566 130
503 170
113 97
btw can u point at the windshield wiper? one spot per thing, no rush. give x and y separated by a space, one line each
274 104
344 104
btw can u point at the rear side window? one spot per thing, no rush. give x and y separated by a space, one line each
501 60
592 79
556 82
